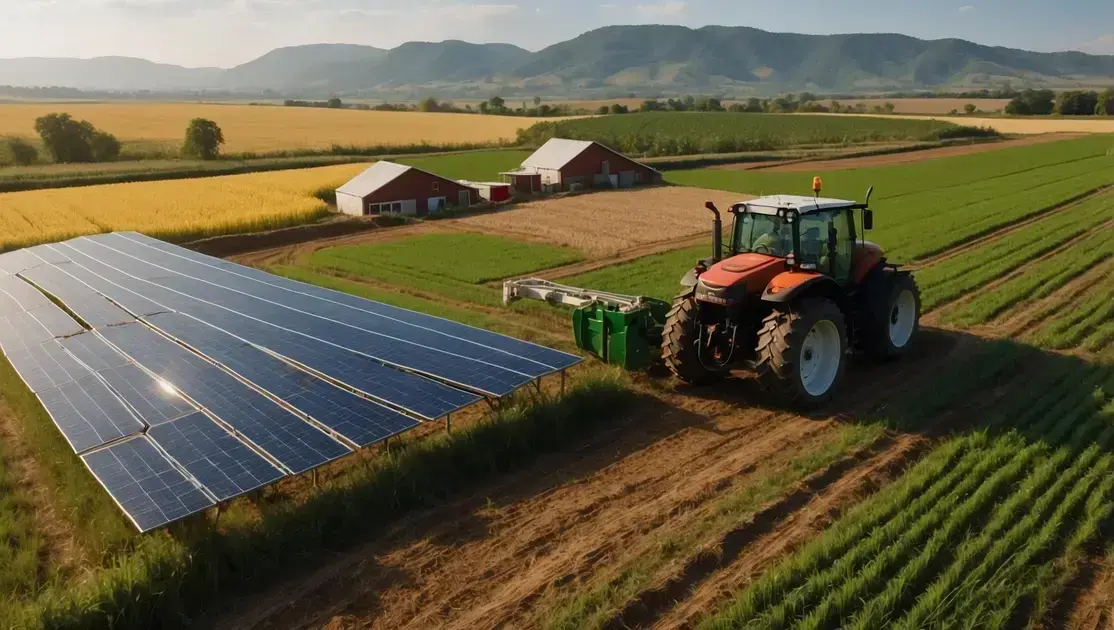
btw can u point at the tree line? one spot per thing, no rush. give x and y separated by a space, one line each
1066 103
496 106
70 141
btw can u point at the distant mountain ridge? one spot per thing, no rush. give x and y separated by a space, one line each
616 58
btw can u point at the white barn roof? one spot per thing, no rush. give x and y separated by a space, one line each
375 177
556 153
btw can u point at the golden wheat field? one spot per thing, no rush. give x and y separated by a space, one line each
270 128
1022 126
177 210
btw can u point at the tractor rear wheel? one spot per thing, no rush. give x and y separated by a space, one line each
679 342
893 317
802 352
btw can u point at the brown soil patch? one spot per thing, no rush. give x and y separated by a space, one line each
1094 609
604 223
917 156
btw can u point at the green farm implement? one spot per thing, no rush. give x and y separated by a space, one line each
622 330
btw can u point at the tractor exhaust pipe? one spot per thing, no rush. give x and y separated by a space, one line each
717 233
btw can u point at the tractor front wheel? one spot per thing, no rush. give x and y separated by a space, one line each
679 341
802 352
893 317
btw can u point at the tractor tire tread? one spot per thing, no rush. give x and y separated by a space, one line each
678 344
779 340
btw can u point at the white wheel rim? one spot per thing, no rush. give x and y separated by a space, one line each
903 318
821 354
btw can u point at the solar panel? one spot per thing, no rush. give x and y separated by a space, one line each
146 486
56 321
87 304
27 296
88 414
295 443
15 262
22 332
8 304
555 359
224 465
360 420
472 373
46 366
414 393
100 278
47 254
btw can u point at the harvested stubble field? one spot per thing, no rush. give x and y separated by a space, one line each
174 210
604 223
262 129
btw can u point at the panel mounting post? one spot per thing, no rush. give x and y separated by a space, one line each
314 474
562 382
448 423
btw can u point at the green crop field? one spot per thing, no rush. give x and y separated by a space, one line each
477 166
689 133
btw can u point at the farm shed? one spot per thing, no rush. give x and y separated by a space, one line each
569 164
490 191
389 188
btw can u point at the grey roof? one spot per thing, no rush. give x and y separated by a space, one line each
799 202
557 152
375 177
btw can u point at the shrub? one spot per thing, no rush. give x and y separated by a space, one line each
203 139
22 152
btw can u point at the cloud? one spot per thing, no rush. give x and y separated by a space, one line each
1101 45
661 9
967 8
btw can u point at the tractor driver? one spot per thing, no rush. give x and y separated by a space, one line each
771 242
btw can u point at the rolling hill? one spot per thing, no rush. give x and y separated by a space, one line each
628 58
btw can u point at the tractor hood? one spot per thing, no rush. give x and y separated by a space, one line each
750 271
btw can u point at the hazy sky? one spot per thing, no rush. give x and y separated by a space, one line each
229 32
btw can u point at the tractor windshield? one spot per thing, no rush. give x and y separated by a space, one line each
763 234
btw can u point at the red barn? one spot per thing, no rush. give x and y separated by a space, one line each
389 188
576 164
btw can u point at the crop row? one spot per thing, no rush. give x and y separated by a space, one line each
1080 320
983 510
951 278
1039 280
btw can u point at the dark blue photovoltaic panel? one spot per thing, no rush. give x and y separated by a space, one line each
145 484
88 414
225 466
473 373
26 295
22 332
290 440
46 366
417 394
360 420
57 322
153 403
93 308
101 279
554 359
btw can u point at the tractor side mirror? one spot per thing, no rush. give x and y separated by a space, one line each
868 219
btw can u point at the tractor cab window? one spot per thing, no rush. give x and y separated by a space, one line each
763 234
827 243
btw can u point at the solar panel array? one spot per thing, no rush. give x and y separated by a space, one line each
190 380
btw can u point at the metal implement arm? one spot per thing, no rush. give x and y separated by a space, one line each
553 293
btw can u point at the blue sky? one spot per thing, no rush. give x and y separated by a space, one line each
228 32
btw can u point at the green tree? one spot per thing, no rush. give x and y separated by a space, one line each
889 107
483 107
969 108
335 103
537 101
1076 103
619 109
23 153
497 103
104 146
203 139
754 105
429 104
1105 106
603 109
66 139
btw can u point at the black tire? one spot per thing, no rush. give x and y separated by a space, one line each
781 344
882 337
678 343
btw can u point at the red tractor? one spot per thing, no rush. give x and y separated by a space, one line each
798 290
